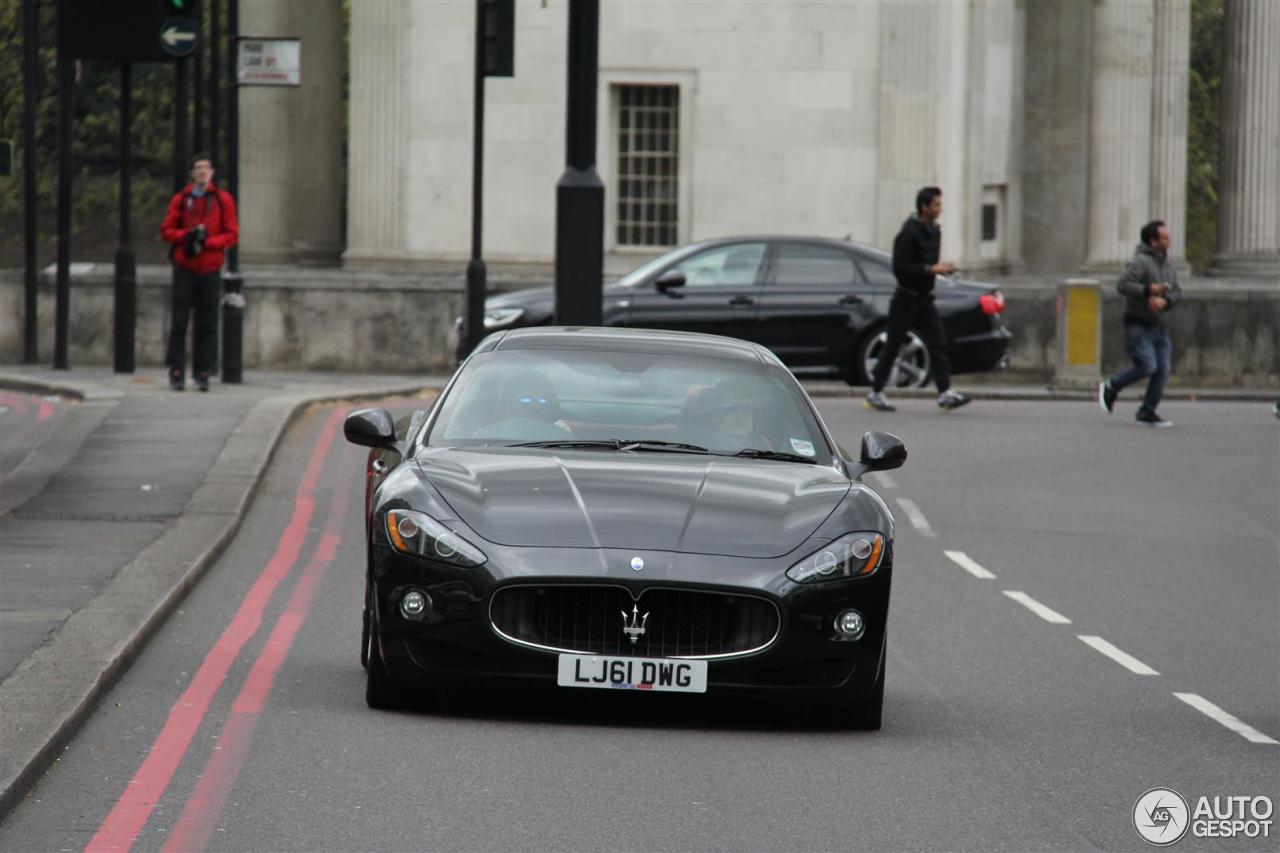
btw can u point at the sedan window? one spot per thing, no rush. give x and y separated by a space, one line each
807 264
727 265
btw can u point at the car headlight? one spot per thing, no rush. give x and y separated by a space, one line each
419 535
497 317
854 555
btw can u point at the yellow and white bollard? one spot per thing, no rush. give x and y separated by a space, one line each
1079 325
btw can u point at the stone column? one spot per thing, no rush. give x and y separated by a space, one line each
291 181
378 131
1120 130
1248 215
1172 51
266 147
317 183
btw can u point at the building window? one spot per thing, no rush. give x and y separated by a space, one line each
648 166
988 222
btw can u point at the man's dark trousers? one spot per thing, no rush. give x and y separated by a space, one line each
908 311
1151 351
198 293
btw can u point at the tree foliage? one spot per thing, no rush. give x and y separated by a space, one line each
1204 130
95 148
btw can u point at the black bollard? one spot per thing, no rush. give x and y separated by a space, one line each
232 327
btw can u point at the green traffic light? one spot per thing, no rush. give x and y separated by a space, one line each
179 5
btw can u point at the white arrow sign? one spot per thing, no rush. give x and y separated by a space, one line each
173 35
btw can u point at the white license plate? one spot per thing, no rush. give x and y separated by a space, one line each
661 674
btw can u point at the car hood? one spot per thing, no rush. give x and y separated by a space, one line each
646 501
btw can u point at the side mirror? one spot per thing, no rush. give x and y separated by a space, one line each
669 280
882 451
370 428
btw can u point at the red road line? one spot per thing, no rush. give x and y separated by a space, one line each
127 818
209 799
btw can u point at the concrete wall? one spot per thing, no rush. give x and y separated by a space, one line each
1224 335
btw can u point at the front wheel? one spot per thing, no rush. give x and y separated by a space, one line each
911 368
380 691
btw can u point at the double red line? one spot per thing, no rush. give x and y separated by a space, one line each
121 827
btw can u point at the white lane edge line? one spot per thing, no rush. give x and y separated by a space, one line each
965 562
918 521
885 480
1218 715
1125 659
1048 614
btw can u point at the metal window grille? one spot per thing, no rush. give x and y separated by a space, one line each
648 165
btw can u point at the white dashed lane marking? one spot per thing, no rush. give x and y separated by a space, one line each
1048 614
918 521
1218 715
1126 660
962 559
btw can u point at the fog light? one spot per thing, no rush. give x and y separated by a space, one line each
850 625
414 604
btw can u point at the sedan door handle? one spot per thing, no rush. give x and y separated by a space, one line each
742 300
851 299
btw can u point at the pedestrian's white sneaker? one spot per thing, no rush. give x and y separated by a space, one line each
952 399
876 400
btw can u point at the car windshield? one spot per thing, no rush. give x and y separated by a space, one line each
629 402
642 272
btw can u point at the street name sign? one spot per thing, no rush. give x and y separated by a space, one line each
269 61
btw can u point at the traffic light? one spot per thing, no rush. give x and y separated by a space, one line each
128 30
497 37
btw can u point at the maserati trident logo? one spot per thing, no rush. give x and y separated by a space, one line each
634 626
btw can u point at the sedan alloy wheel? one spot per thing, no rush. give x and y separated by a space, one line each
912 367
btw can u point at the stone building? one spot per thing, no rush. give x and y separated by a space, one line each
1055 127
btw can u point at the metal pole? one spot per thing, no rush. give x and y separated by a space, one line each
30 70
66 85
215 83
181 117
197 74
233 118
475 269
580 192
126 282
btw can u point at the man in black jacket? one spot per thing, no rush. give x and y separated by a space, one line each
915 264
1150 288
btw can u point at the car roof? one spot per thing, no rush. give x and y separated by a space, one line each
847 244
612 339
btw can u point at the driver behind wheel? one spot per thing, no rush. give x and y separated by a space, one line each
731 419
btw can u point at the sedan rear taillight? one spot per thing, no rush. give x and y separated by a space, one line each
992 303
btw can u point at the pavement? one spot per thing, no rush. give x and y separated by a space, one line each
113 515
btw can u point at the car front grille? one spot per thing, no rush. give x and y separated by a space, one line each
591 619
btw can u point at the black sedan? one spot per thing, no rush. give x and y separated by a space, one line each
819 304
625 510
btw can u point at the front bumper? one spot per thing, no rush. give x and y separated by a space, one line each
456 642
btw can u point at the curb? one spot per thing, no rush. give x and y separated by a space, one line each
48 697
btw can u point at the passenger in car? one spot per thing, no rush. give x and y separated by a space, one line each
730 417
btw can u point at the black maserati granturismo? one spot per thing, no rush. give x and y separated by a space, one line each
619 509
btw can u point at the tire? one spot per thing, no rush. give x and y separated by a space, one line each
380 692
912 369
365 636
859 714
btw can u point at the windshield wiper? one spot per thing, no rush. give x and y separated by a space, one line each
615 444
647 444
758 453
611 443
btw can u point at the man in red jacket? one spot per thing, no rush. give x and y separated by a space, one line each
199 227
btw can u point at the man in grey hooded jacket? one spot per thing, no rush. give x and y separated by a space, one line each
1150 288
